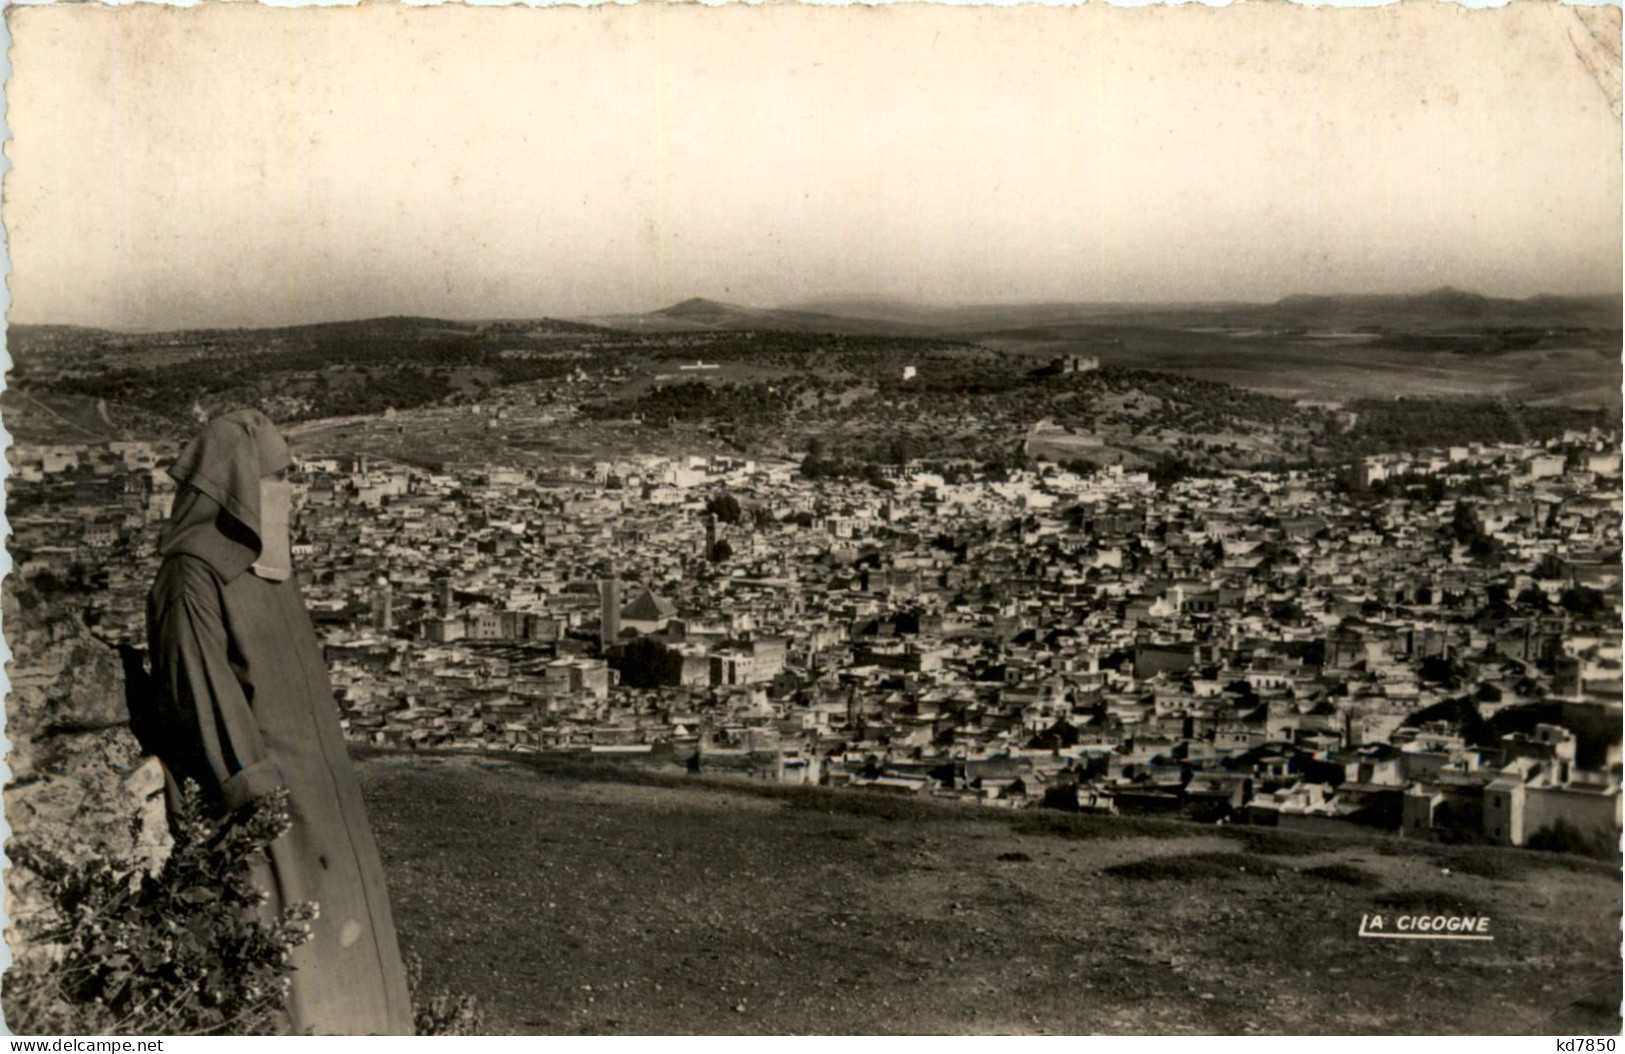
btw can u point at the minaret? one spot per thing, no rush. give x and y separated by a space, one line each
383 615
445 601
609 616
710 535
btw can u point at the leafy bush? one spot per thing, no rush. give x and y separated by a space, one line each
186 951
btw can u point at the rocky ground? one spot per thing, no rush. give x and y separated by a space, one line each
587 905
80 787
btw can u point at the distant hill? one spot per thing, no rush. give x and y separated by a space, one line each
412 326
699 314
393 326
1444 343
328 369
985 318
55 331
1441 309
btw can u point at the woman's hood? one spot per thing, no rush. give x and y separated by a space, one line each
217 510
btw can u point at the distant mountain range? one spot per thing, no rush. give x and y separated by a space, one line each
1441 309
1438 311
701 314
858 316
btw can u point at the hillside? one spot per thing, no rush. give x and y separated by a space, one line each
1211 386
1441 308
1444 308
654 905
698 314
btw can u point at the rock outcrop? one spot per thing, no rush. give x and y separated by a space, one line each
80 784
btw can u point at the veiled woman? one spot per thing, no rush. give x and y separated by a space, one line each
245 707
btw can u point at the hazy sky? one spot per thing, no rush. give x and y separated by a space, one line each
240 165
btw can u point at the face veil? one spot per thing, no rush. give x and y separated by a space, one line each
275 562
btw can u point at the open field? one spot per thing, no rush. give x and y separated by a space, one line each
572 903
529 437
1585 374
49 417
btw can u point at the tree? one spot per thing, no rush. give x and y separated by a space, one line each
1439 669
1286 611
875 476
647 663
1535 598
1585 602
721 551
725 507
1464 525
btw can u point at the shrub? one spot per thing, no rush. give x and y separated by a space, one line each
1083 827
1272 842
1344 874
872 805
1564 837
1195 867
185 951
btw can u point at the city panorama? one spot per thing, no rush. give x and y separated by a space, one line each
973 647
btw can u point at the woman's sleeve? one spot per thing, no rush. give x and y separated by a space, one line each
204 717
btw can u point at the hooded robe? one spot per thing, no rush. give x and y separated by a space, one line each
243 706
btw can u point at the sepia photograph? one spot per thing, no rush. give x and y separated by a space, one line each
785 520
